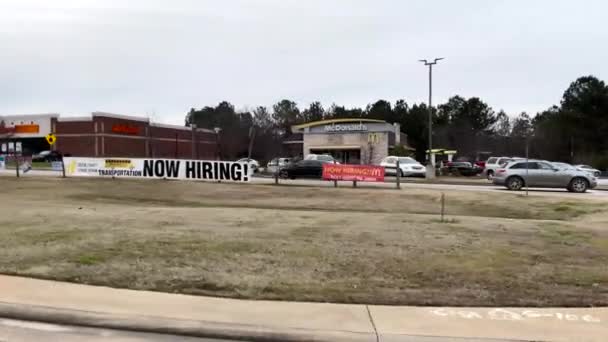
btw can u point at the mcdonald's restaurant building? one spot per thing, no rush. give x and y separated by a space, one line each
350 141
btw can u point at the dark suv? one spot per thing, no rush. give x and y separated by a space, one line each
47 156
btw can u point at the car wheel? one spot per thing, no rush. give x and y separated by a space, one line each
283 174
597 174
515 183
490 175
578 185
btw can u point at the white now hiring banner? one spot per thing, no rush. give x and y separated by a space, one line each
213 170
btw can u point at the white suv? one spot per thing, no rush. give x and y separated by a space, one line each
324 158
407 166
495 163
276 164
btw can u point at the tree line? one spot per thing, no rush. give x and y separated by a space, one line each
574 131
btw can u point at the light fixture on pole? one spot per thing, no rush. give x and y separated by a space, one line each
430 168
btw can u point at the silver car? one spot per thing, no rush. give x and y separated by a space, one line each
543 174
589 169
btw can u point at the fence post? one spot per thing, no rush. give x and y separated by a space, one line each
17 164
354 184
442 206
335 181
276 173
62 168
398 175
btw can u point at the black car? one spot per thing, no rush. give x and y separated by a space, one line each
47 156
302 169
463 169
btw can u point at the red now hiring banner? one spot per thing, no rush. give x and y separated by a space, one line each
361 173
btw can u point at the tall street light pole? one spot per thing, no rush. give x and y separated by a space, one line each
430 169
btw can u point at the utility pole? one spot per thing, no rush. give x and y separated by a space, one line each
218 141
571 150
251 139
176 144
430 168
527 163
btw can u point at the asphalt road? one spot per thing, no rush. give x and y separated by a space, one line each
409 184
23 331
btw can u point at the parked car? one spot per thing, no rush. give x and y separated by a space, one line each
321 157
302 169
276 164
563 166
494 163
463 168
590 169
543 174
47 156
254 166
481 164
408 167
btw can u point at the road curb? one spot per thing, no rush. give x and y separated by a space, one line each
181 327
464 183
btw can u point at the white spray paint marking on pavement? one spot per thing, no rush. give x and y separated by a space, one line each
33 325
513 315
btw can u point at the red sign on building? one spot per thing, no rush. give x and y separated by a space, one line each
125 129
6 130
361 173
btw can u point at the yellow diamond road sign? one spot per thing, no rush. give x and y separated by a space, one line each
51 139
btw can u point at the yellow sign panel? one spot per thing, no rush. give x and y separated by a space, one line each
71 167
51 139
118 164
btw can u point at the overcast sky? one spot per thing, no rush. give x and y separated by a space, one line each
161 57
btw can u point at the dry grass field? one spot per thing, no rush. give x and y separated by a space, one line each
310 244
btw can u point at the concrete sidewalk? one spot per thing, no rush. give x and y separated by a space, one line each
64 303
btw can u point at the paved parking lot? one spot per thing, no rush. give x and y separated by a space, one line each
407 183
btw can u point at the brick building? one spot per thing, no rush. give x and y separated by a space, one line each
113 135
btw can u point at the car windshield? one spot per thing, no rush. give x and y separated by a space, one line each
546 166
564 166
407 160
504 161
